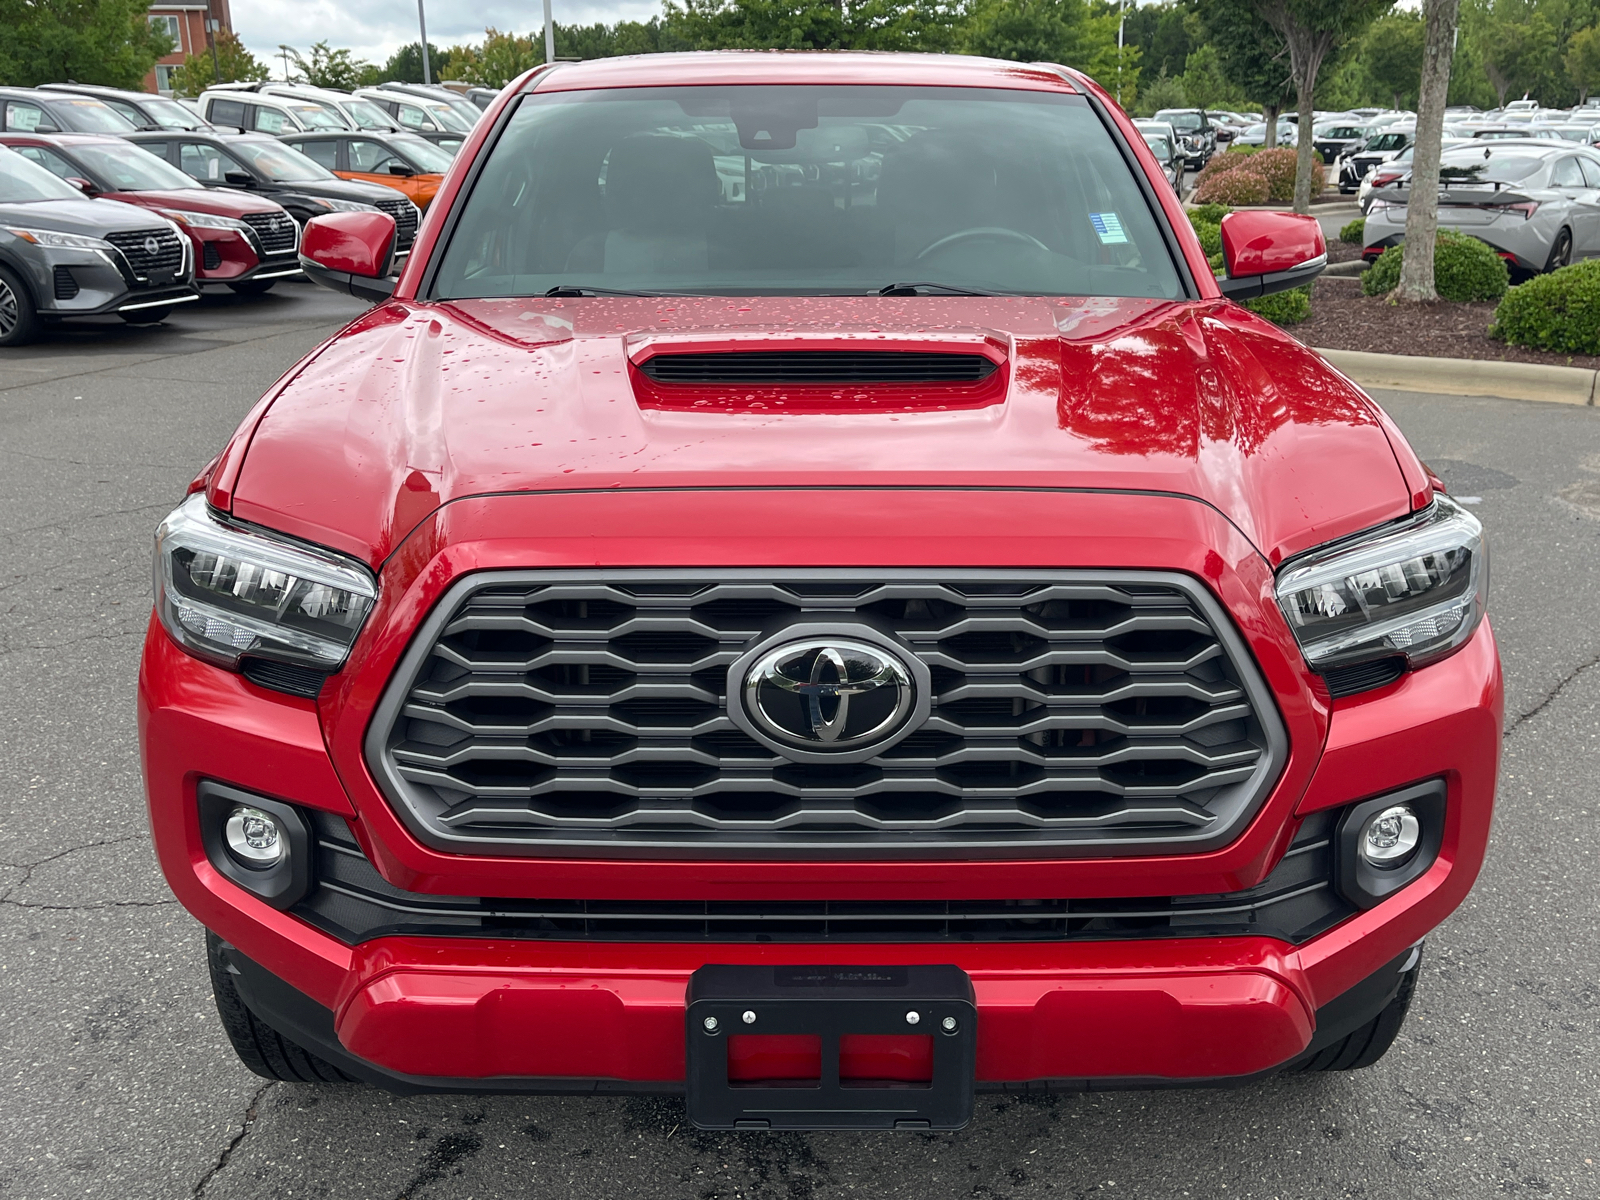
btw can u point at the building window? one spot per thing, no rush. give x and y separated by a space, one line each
164 78
171 26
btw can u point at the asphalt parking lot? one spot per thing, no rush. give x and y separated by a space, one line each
118 1081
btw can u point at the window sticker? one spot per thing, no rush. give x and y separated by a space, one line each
1109 228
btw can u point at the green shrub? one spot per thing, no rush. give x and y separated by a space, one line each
1242 151
1233 187
1218 263
1559 311
1209 214
1210 237
1353 233
1464 269
1283 308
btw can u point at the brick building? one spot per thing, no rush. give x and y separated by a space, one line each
186 23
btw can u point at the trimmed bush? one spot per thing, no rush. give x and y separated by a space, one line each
1278 167
1283 308
1464 269
1353 233
1559 311
1241 151
1232 187
1210 237
1221 164
1209 214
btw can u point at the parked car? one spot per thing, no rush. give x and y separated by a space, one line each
1256 135
257 163
1379 148
245 242
1163 144
26 110
422 114
301 102
1197 135
141 109
63 255
850 552
1335 140
463 108
411 165
250 111
482 96
1536 202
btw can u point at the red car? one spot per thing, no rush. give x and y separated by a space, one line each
246 242
808 594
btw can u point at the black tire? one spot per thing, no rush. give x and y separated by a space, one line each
19 318
147 316
1367 1045
259 1046
1561 252
253 287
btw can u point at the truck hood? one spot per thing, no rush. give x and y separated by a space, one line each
418 405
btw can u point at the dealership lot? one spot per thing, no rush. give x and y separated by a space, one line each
119 1082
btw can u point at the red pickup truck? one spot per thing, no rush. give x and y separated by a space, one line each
807 593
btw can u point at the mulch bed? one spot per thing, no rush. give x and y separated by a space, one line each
1343 319
1342 251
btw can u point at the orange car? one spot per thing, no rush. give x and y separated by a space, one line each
410 164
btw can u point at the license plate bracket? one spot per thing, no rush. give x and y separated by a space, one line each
830 1004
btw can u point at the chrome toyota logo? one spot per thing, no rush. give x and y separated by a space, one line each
827 698
152 247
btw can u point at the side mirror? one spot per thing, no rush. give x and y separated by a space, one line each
400 169
350 252
83 185
1267 252
239 179
45 128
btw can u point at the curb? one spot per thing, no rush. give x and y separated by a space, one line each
1467 377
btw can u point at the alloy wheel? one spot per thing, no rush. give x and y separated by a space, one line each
8 309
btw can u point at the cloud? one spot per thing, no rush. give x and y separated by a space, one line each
375 29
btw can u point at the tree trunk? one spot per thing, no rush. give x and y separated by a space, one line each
1307 81
1422 213
1270 112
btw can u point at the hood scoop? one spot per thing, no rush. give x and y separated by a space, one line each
833 373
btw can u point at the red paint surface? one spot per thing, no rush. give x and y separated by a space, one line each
355 242
1260 242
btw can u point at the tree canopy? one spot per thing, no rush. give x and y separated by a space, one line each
110 42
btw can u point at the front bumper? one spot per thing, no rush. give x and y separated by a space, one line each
224 256
85 283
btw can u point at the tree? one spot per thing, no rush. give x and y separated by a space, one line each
405 64
1252 56
809 25
1517 43
1058 31
236 64
1205 82
1392 55
108 42
1162 92
1422 212
330 68
1582 61
499 60
1311 29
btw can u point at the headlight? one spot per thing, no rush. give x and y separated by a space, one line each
63 241
1417 589
346 205
205 220
224 591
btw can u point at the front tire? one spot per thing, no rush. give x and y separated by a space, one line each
259 1046
1366 1045
19 319
253 287
147 316
1561 252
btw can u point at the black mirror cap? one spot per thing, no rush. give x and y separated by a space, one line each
1248 287
399 169
239 178
282 885
1366 885
362 287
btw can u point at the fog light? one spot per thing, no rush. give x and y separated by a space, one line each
254 837
1390 836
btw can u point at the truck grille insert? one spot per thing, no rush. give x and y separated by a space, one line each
543 713
818 367
276 231
405 220
155 255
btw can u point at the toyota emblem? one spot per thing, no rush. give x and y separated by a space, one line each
152 247
828 698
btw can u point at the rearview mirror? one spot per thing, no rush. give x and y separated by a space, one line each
46 128
400 169
351 252
239 178
1267 252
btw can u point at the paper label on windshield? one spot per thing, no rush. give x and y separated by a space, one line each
1108 226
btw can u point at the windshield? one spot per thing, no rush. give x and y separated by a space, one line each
278 162
168 114
23 182
318 116
1159 146
93 116
1181 121
1487 166
797 190
422 152
447 116
127 168
367 115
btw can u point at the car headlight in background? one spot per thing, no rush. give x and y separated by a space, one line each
202 220
1418 588
345 205
224 591
59 241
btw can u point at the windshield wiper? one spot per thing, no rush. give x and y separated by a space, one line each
570 290
911 289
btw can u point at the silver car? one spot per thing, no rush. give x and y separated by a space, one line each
1536 202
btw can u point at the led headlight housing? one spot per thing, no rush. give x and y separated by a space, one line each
345 205
1417 588
201 220
58 241
225 591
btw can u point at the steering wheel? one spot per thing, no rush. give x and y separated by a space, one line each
992 232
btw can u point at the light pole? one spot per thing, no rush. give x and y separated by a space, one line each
1122 19
549 35
422 24
211 40
284 50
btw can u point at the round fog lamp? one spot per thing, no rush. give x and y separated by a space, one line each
1390 836
254 837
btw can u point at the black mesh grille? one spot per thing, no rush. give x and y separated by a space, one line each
284 677
1363 677
1296 902
405 220
155 255
211 257
536 715
276 231
818 366
66 285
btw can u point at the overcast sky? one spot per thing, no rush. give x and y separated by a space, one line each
375 29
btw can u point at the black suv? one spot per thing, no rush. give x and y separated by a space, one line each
257 163
141 108
1197 136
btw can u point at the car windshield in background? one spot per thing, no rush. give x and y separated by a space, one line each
278 162
130 169
169 114
1182 122
422 152
367 115
447 117
1479 166
800 190
23 182
93 116
318 116
1159 146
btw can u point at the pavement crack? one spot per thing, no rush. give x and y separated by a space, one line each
227 1151
10 903
1551 696
29 868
